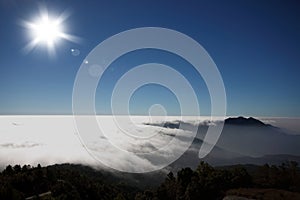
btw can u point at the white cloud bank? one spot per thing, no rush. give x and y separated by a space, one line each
55 139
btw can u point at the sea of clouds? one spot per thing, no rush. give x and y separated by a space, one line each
55 139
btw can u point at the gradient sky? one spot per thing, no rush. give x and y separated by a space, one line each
255 44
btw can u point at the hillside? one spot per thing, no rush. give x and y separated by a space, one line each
67 181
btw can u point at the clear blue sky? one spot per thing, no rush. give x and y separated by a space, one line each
255 44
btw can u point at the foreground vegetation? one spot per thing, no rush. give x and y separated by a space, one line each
205 182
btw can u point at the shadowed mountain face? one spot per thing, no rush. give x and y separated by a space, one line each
243 140
252 137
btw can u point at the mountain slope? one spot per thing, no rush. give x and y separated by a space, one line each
243 141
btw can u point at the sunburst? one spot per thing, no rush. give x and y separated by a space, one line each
48 31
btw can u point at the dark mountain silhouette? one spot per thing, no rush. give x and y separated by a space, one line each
269 159
253 138
239 121
242 121
242 141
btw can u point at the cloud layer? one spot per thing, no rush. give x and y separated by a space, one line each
55 139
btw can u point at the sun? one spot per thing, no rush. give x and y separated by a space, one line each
48 31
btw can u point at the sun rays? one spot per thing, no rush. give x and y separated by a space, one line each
47 30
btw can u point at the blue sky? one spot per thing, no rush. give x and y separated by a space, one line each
255 44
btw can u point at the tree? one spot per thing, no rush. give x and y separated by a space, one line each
17 168
8 170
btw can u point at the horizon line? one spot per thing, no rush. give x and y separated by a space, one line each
246 116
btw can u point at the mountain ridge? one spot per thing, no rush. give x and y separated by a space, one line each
250 121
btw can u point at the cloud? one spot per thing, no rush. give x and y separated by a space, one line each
55 139
140 144
21 145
